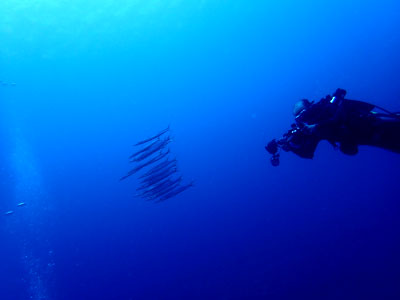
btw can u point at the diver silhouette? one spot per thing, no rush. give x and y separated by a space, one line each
344 123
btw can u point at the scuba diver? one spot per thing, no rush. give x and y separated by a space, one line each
345 124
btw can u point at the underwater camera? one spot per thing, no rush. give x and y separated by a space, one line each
275 160
272 148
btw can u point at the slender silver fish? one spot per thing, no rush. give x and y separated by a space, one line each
161 186
175 192
153 137
159 176
159 167
164 191
138 168
172 184
144 149
152 151
159 172
150 189
152 183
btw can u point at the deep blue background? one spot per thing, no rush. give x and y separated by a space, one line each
93 77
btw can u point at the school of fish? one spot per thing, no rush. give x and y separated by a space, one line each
161 180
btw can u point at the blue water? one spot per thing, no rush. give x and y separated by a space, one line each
82 81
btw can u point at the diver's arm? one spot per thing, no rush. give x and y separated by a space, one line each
334 105
328 110
337 104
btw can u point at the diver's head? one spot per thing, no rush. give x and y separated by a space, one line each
300 107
